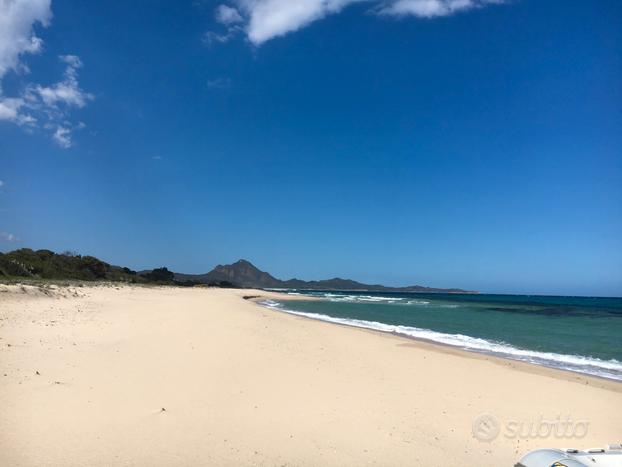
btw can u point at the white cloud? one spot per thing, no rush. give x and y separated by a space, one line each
9 108
1 183
67 91
36 106
272 18
8 237
227 15
431 8
17 18
62 136
262 20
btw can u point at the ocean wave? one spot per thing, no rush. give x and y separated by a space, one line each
357 298
611 369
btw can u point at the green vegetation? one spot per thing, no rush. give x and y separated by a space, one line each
159 275
45 264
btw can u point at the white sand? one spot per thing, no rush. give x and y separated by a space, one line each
243 385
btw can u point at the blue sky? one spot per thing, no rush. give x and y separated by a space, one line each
465 143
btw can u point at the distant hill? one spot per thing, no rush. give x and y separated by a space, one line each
45 264
242 273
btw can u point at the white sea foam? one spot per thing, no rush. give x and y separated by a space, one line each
611 369
355 298
358 298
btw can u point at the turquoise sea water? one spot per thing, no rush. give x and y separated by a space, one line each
582 334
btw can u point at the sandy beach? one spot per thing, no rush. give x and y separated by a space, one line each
148 376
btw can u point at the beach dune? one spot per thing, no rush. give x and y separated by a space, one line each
148 376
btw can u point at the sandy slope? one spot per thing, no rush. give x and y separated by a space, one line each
188 377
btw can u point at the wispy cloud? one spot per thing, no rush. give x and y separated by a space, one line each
65 92
8 237
262 20
431 8
212 37
230 18
219 83
36 106
1 183
62 136
227 15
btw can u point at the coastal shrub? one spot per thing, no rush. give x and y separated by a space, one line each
160 275
46 264
94 266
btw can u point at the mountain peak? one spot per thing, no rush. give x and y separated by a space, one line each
243 273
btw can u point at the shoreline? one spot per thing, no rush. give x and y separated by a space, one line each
429 344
